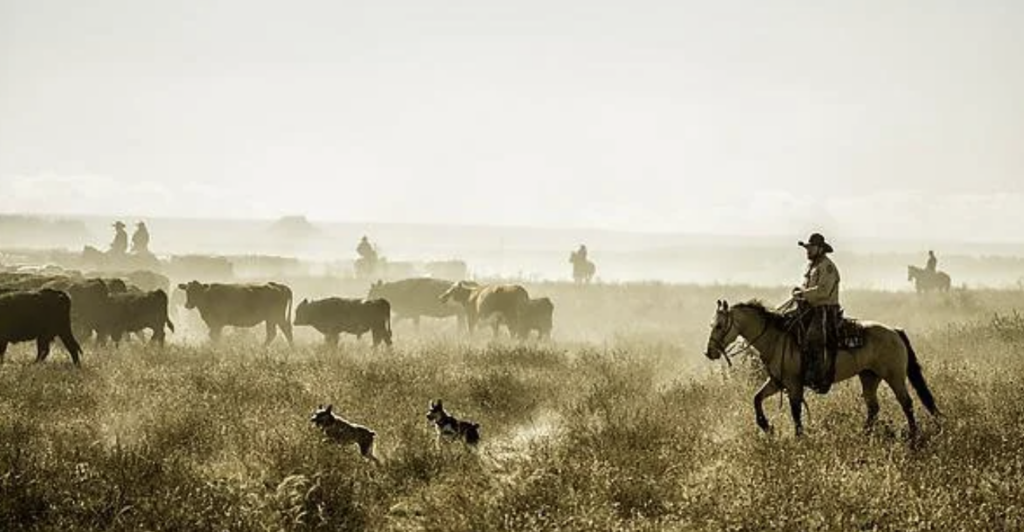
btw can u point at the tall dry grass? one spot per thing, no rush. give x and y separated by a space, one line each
620 424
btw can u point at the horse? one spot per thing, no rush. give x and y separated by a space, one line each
925 280
583 270
886 355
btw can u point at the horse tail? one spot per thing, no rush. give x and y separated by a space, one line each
917 377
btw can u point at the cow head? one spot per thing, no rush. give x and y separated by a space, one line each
116 285
458 292
376 290
195 293
302 311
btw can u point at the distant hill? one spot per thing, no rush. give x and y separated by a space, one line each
41 231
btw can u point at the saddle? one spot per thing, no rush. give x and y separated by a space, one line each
848 333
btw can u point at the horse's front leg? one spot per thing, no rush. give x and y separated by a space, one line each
768 389
796 403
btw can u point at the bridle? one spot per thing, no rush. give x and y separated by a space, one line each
749 344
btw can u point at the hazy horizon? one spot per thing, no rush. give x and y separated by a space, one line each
875 119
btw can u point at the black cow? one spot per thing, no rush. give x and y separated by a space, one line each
417 297
336 315
134 311
90 299
537 316
37 315
241 305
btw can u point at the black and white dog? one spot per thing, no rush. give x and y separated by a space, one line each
450 428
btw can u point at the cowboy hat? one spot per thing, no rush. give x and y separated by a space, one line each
816 239
118 224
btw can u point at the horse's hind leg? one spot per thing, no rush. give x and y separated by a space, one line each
768 389
796 402
869 383
903 396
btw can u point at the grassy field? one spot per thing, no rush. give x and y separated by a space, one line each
618 424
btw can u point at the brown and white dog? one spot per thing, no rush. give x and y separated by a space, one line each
344 432
450 428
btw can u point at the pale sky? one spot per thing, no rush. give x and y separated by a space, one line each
861 118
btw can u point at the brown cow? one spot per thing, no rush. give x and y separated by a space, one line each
241 305
500 304
417 297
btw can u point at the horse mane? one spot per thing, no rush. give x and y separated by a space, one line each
772 316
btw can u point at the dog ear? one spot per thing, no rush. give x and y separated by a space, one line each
437 404
329 407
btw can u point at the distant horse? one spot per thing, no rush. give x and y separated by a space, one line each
583 270
886 355
926 281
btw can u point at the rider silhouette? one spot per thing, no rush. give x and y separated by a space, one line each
820 295
932 262
120 244
140 239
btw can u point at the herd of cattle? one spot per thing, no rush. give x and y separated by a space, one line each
72 307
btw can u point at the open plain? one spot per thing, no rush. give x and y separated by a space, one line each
618 423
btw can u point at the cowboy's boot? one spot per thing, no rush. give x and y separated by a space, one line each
809 367
828 370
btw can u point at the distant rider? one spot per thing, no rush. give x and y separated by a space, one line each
120 244
367 262
820 296
366 250
580 255
932 262
140 239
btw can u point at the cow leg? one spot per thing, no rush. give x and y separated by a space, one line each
286 330
416 321
271 332
331 339
75 350
43 347
215 331
3 350
158 335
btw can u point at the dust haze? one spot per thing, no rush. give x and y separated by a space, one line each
524 265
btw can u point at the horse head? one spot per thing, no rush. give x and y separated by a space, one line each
723 331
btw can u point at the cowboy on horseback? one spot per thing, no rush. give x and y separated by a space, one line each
582 268
819 298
